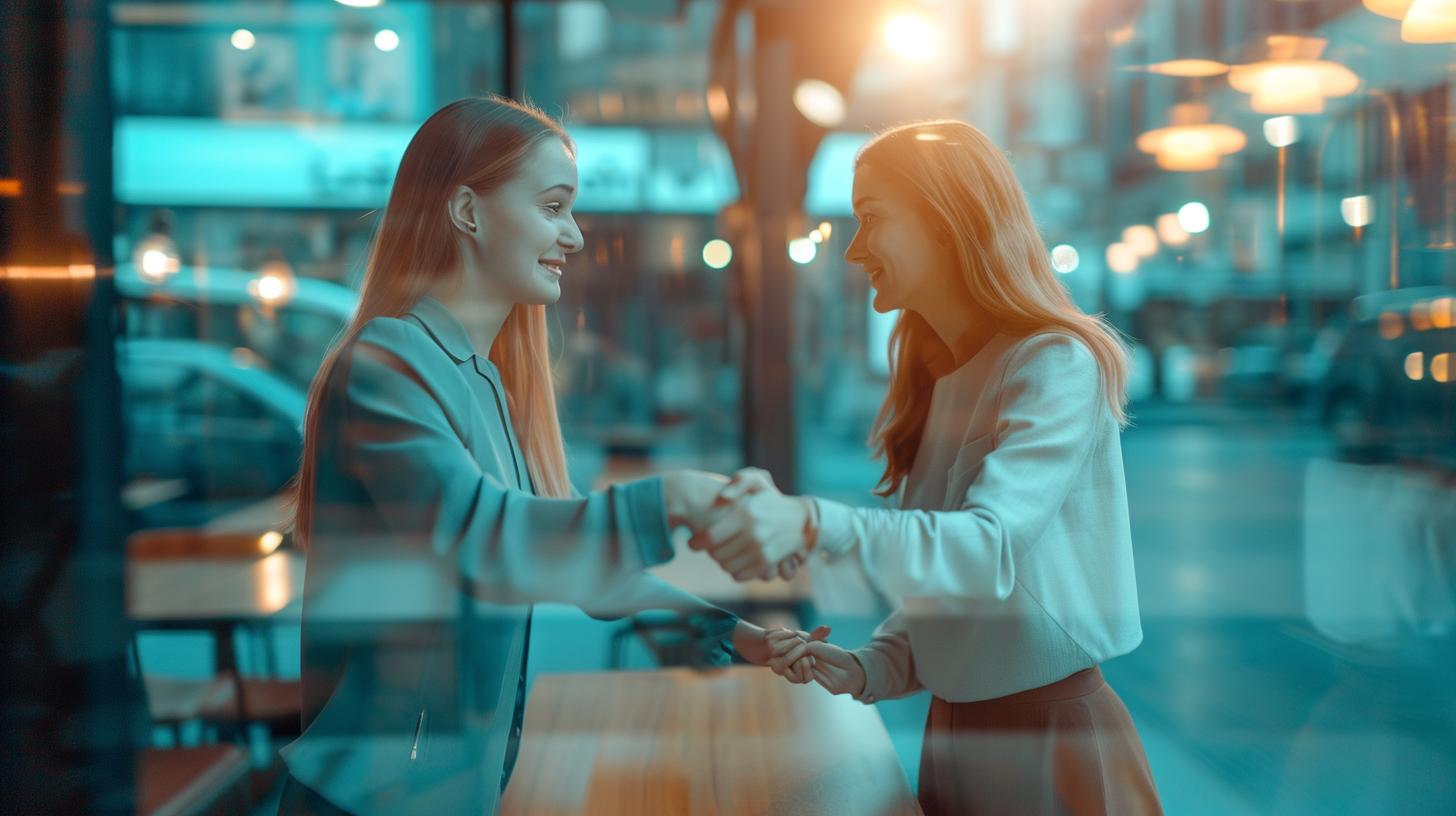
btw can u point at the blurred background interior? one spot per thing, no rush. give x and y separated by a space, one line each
1260 194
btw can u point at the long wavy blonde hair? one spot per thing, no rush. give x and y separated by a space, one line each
968 185
482 144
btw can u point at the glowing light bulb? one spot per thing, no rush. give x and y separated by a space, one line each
386 40
717 253
243 39
1358 211
1281 131
1193 217
911 37
802 250
820 102
1064 258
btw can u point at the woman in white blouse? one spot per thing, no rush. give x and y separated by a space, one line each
1010 547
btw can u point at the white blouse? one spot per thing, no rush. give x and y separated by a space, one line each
1011 550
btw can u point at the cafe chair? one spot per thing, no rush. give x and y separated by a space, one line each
227 698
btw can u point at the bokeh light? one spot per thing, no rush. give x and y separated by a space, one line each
1193 217
386 40
1122 258
243 39
1064 258
820 102
911 37
1142 238
802 250
717 253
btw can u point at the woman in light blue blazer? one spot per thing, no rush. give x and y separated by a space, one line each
433 496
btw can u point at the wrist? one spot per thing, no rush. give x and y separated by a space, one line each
811 523
859 679
672 499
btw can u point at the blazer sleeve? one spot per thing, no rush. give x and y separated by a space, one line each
508 545
1050 404
889 663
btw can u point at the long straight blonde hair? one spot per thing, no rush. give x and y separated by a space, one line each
480 143
967 184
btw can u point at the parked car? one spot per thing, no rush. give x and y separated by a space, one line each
1390 390
202 417
223 306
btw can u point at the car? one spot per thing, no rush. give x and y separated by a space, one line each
204 420
223 306
1389 393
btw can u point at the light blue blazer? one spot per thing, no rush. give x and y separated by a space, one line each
427 548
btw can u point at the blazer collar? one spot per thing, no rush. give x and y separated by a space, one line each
445 328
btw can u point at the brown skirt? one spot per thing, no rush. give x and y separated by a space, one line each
1065 748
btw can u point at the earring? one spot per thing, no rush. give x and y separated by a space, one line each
472 228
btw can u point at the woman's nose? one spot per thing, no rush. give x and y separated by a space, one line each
855 253
571 239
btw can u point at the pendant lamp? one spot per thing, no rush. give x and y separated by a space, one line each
1293 79
1422 21
1191 142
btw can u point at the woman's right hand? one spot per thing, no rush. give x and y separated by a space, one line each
689 497
836 669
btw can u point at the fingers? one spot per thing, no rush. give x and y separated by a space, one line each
745 482
821 633
781 662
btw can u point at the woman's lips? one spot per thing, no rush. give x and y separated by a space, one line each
554 269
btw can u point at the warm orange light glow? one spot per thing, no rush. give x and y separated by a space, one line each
1441 367
275 582
1142 238
1121 258
269 541
1443 312
1391 325
911 37
1190 148
816 236
718 107
1189 68
1423 21
826 229
1170 230
1293 79
9 188
1415 365
48 272
1420 315
819 102
71 188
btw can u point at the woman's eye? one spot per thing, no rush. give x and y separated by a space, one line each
554 207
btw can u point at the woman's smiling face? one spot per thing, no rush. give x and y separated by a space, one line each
899 249
525 228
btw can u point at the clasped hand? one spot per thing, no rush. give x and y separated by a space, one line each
753 531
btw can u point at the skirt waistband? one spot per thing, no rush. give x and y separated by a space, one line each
1068 688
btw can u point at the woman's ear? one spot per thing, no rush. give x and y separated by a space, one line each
462 210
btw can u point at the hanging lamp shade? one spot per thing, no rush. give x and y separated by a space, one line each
1293 79
1422 21
1191 143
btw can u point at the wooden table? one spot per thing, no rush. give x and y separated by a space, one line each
719 743
199 589
215 594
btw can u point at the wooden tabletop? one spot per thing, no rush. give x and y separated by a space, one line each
201 589
719 743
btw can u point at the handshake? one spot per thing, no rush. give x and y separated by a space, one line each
754 532
751 529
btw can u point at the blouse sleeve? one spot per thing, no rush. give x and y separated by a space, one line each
1050 405
508 545
889 663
